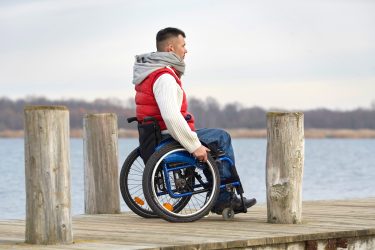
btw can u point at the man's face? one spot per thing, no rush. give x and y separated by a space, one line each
178 46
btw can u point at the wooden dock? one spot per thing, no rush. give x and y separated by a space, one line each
347 224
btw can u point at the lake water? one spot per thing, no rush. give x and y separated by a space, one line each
334 169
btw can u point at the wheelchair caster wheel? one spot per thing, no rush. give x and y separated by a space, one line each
228 214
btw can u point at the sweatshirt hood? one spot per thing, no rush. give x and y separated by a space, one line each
145 64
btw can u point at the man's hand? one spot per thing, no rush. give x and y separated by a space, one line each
201 153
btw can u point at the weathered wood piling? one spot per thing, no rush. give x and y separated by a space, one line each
284 167
100 136
47 174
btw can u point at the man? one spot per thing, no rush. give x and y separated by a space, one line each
159 93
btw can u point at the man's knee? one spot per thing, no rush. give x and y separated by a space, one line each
225 136
219 132
210 135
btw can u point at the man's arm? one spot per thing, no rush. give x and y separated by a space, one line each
169 96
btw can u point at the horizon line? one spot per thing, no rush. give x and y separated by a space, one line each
124 103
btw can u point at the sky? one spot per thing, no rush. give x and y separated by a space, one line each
302 54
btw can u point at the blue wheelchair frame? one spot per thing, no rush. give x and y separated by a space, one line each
190 162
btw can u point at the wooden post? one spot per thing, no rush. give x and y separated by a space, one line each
284 167
47 174
100 136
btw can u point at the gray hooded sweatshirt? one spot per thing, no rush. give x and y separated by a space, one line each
145 64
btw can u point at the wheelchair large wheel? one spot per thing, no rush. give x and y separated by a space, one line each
172 175
131 185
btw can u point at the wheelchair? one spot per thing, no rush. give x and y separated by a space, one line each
173 184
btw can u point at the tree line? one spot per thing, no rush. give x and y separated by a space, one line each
208 113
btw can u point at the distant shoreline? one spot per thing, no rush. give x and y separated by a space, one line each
235 133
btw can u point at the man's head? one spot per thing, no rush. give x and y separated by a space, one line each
171 40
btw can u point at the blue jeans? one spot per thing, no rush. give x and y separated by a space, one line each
224 143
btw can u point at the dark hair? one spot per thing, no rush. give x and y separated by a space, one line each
165 34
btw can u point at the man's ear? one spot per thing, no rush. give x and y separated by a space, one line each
170 47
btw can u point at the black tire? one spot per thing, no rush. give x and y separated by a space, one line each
134 166
189 214
228 213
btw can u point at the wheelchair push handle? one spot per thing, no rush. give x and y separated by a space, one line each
132 119
146 119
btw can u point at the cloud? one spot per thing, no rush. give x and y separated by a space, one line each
298 95
87 48
22 9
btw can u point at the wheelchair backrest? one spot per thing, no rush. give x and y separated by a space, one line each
149 136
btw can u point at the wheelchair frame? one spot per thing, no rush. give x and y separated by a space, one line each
189 161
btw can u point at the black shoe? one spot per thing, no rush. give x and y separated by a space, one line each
236 204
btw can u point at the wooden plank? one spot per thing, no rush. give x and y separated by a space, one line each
322 220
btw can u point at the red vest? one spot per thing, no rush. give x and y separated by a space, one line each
146 104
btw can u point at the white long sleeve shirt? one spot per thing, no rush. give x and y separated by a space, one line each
169 96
